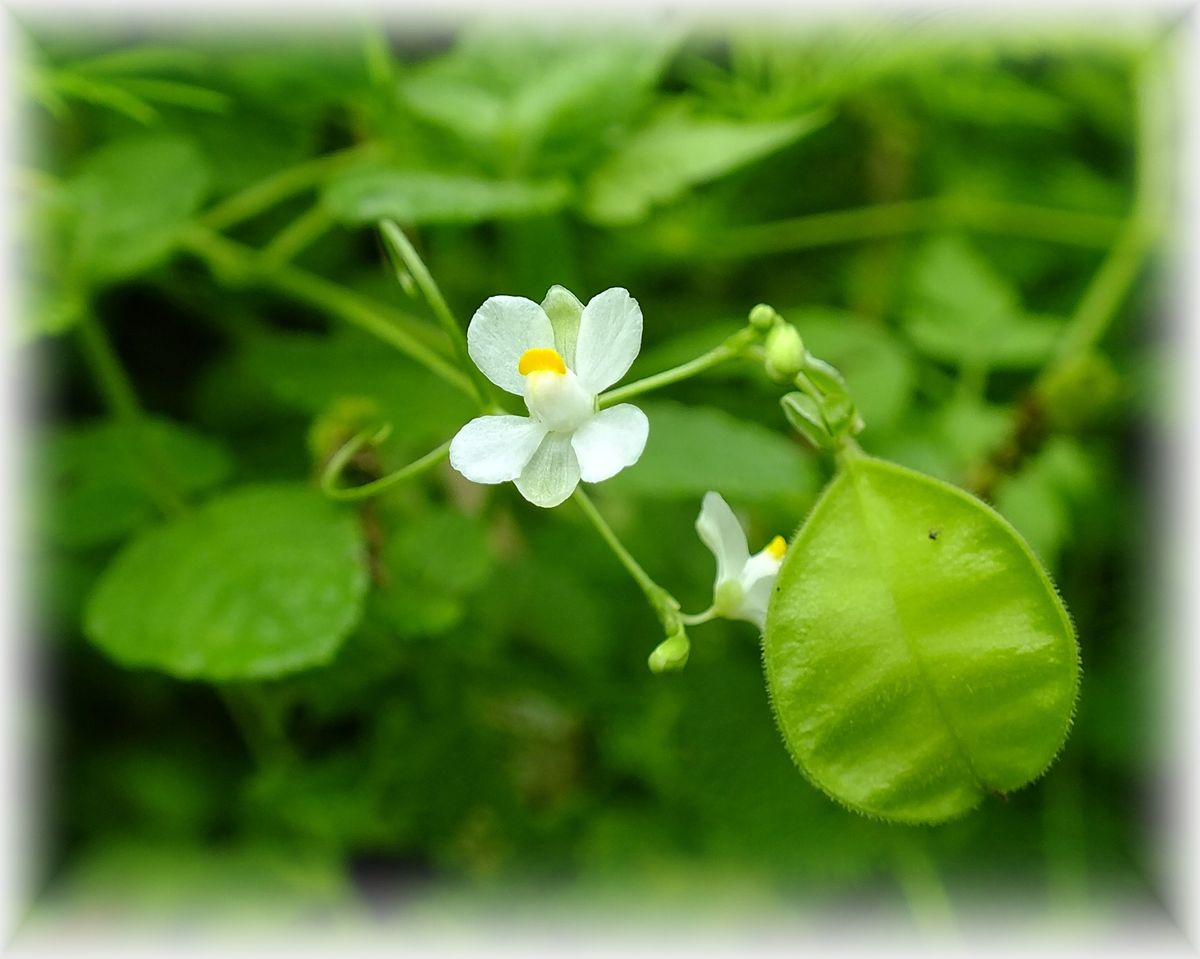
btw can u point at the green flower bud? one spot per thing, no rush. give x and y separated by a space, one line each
785 353
763 317
671 655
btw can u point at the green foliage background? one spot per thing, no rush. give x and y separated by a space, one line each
447 684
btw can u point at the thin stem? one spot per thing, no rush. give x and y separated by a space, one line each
695 619
654 593
276 188
399 244
733 347
235 262
922 887
121 399
895 219
337 463
298 235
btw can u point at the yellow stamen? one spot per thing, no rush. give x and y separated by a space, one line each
777 547
541 358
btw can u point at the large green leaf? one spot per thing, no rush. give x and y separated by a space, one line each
100 475
693 449
677 151
917 654
421 196
262 582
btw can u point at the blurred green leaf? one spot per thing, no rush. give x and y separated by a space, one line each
414 196
432 562
99 475
678 150
258 583
312 373
693 449
134 196
961 311
528 100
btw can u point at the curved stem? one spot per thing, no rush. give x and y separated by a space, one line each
122 401
298 235
276 188
237 262
733 347
337 463
400 246
695 619
663 602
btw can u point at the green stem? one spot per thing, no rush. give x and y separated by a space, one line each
922 887
297 236
121 399
659 598
258 723
733 347
235 262
337 463
1107 290
895 219
1121 267
412 261
695 619
278 187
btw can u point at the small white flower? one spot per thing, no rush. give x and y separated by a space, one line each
743 585
559 356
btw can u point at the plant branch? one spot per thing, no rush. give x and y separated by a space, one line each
338 462
237 263
733 347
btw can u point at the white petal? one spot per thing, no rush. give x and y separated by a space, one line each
494 449
722 533
610 441
758 579
754 605
503 329
553 472
564 309
610 335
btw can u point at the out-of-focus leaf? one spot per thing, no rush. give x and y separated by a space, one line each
676 151
179 884
961 311
133 197
100 475
432 562
258 583
417 196
693 449
312 373
528 101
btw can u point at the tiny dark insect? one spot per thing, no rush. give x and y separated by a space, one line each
935 533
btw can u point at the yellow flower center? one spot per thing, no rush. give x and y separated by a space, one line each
777 547
541 359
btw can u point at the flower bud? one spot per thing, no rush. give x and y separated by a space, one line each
763 317
785 352
671 655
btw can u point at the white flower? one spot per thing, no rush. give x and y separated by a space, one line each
559 356
743 585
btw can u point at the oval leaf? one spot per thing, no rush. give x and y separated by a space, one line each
256 584
917 655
